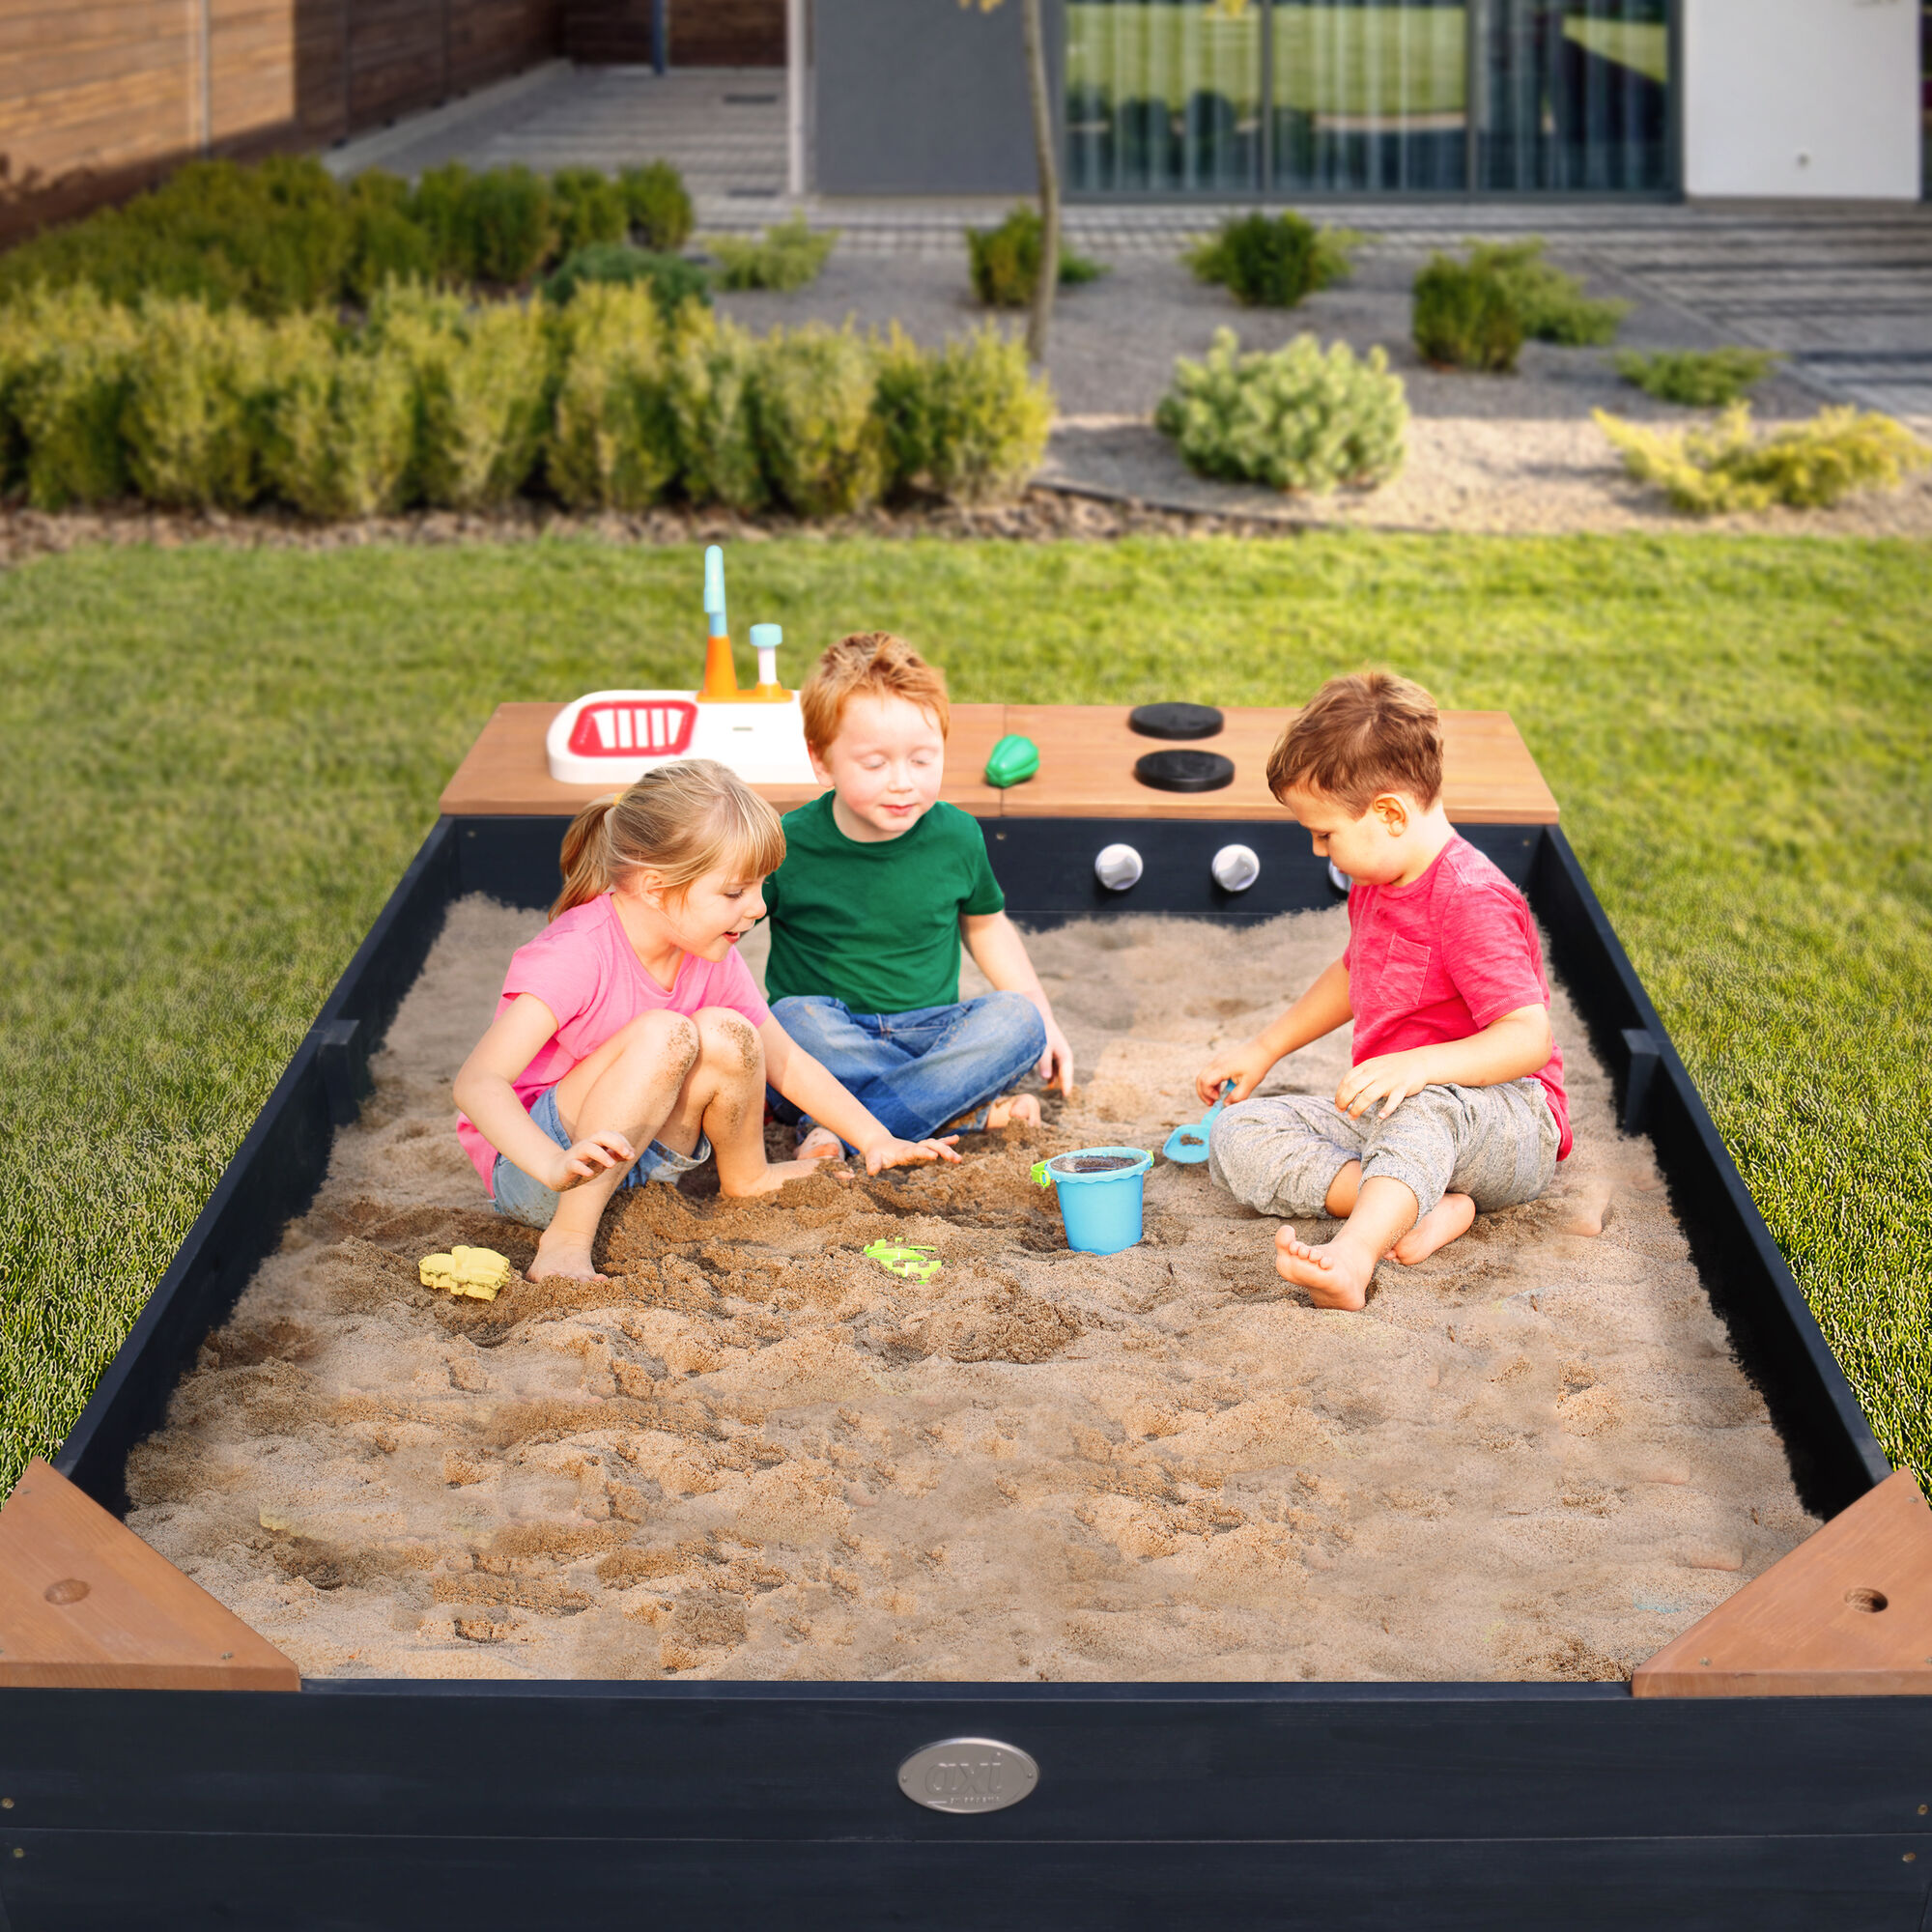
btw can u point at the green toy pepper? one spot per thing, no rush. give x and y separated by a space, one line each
1012 761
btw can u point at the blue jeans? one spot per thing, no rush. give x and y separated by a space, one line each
920 1071
523 1198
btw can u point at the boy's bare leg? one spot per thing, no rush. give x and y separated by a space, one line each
1451 1216
1337 1273
1013 1107
724 1097
628 1086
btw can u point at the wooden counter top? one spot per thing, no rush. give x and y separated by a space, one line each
1086 771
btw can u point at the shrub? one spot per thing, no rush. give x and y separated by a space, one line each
613 438
1700 379
1006 261
1295 419
482 379
789 257
660 209
191 419
1726 465
1465 318
384 244
968 421
69 394
440 208
589 207
341 421
1553 305
673 279
712 371
823 444
511 225
1274 260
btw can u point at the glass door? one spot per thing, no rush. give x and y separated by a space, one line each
1164 95
1371 94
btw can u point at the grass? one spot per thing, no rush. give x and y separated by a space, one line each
219 762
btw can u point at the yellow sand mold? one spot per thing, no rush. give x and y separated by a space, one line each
474 1271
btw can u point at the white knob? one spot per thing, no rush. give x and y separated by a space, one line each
1118 867
1237 868
1339 879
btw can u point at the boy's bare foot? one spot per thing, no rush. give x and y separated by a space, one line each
1013 1107
777 1171
564 1256
820 1144
1336 1273
1450 1217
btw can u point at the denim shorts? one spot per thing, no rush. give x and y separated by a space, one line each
527 1199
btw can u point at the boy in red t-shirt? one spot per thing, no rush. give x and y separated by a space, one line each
1455 1102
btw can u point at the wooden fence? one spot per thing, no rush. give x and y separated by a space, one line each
100 98
702 33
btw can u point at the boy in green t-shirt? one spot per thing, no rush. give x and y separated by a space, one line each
879 885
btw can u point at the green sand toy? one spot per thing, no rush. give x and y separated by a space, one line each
1012 761
914 1263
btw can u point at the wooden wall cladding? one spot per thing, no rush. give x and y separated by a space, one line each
98 99
703 33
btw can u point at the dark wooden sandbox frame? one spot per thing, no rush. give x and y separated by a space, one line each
487 1804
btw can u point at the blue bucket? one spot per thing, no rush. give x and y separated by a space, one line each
1099 1190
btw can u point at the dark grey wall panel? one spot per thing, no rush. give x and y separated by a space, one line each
923 97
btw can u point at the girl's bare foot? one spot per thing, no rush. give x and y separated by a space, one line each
1336 1273
777 1171
1450 1217
1011 1108
820 1144
565 1256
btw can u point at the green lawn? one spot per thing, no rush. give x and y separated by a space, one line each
219 761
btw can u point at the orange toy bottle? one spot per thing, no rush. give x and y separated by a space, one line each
721 674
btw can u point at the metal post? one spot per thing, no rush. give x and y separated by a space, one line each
795 45
659 35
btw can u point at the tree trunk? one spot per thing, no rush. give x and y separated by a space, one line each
1034 38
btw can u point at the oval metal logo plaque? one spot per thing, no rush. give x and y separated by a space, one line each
968 1775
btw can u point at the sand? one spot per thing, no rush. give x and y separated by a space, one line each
757 1455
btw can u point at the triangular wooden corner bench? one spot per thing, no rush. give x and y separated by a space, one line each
1848 1613
86 1604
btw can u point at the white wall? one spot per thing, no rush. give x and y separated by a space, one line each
1812 98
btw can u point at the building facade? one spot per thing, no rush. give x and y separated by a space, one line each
1233 100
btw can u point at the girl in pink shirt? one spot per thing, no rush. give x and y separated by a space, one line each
630 1042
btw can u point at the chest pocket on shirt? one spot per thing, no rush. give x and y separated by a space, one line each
1403 970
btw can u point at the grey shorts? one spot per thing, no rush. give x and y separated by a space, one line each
525 1199
1497 1144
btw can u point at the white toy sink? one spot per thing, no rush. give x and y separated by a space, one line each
614 737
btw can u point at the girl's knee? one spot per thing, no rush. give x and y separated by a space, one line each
728 1042
662 1037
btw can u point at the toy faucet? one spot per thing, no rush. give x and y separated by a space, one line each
765 640
721 677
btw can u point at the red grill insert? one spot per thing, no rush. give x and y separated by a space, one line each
658 729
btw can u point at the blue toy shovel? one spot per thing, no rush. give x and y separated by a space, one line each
1189 1145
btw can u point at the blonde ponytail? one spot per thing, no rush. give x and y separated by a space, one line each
679 821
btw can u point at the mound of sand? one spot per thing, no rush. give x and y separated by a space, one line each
759 1454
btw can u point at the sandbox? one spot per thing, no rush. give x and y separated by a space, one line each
1203 1748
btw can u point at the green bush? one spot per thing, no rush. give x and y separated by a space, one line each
384 244
713 367
660 209
1006 261
823 444
673 279
440 208
589 207
341 420
1698 379
789 257
1726 465
482 378
1274 260
1295 419
613 437
68 395
511 225
1464 317
190 424
968 421
1553 305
